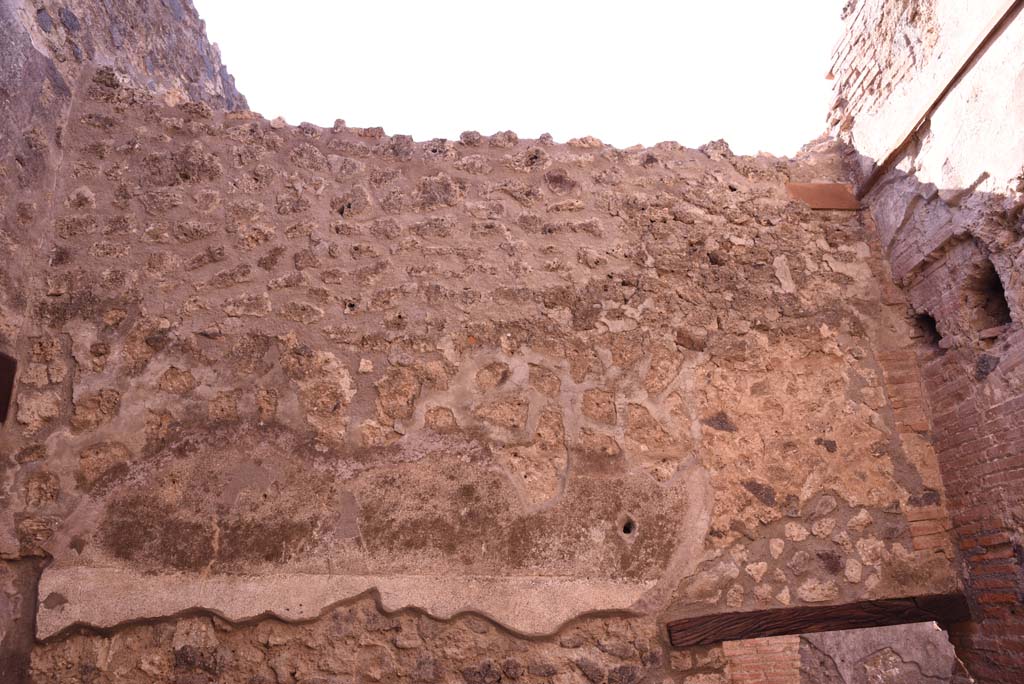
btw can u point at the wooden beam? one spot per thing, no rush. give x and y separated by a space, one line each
711 629
8 370
824 195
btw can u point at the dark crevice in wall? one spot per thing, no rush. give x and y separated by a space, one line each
8 370
986 299
928 332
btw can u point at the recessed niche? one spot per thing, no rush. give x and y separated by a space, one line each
989 310
928 331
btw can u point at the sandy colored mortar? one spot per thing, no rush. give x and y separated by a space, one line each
262 350
265 369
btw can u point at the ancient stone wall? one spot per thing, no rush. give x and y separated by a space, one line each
271 368
159 46
44 46
949 216
308 404
918 653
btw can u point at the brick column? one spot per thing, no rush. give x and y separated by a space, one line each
771 660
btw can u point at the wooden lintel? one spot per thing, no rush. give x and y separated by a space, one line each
711 629
825 195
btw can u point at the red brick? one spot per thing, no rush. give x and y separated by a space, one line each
996 539
995 554
926 527
1003 566
997 597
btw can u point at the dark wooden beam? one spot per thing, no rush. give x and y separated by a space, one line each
711 629
8 370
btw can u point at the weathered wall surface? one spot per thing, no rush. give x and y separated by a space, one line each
949 218
357 643
269 368
160 45
44 47
454 372
894 58
548 395
918 653
903 654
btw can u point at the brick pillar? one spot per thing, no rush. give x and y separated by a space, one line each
771 660
979 436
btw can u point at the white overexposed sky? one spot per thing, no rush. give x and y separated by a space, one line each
643 71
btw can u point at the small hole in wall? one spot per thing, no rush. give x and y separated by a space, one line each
987 300
8 369
629 526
